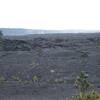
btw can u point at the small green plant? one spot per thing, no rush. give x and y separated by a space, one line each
34 64
39 51
81 82
35 78
97 38
16 78
2 80
87 96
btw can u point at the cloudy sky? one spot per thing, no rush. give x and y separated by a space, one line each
50 14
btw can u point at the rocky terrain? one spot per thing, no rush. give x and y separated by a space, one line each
43 67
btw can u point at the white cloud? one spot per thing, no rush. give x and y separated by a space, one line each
50 14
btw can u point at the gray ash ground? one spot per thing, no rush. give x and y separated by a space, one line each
44 67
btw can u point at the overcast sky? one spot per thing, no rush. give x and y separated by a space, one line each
50 14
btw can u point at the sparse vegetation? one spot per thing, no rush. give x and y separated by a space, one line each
82 84
35 78
16 78
87 96
97 38
2 80
39 51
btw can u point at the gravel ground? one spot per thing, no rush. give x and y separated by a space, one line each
48 72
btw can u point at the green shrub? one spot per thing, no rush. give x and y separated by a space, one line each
16 78
35 78
2 80
81 82
87 96
97 39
